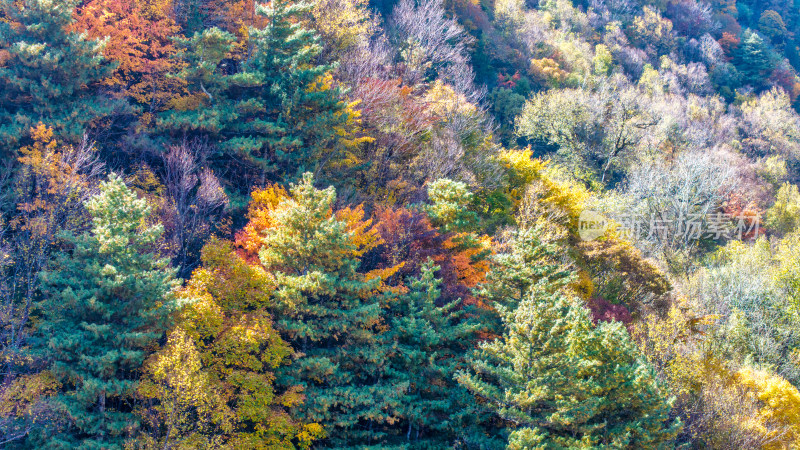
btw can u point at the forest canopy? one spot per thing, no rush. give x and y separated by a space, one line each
470 224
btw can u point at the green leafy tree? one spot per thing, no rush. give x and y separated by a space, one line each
270 109
331 314
506 105
48 73
784 215
563 383
602 61
771 24
105 304
596 130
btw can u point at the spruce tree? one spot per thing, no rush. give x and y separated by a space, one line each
563 383
429 343
48 73
268 109
331 315
105 305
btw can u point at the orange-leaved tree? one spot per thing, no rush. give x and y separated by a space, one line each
139 38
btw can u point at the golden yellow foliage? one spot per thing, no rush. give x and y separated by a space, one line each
352 137
443 100
41 156
539 190
22 398
675 345
548 71
187 401
778 418
350 134
343 23
188 102
56 172
722 407
522 170
215 379
364 236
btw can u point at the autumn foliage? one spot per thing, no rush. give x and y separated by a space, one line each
416 224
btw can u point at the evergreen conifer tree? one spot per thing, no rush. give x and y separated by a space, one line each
105 304
270 110
48 73
528 262
331 317
565 384
754 59
429 343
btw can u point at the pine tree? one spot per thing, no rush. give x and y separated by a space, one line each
754 59
269 107
331 314
564 384
429 343
48 73
528 262
105 304
450 203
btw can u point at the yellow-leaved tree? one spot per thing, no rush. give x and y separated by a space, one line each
213 385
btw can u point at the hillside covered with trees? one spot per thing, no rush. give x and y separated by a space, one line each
416 224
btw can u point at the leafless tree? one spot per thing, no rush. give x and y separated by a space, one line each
533 31
688 188
49 188
684 79
440 159
716 415
625 122
6 190
49 200
710 50
442 39
432 42
751 307
195 199
769 126
631 59
616 9
372 59
692 18
598 14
